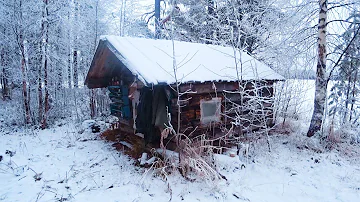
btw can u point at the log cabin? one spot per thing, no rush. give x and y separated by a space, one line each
213 87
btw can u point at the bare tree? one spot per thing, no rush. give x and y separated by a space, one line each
21 41
45 40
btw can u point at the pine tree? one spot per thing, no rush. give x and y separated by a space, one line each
344 93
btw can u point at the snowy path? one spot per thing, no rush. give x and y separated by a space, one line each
80 167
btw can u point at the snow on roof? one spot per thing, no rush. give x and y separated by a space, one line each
152 61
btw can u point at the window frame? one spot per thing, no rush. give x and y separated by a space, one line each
214 118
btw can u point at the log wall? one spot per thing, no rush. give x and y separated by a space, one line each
230 96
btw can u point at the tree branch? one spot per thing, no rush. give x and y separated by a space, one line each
340 5
342 54
347 21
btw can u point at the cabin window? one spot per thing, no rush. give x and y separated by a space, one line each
210 110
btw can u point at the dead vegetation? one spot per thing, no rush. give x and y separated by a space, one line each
131 145
193 158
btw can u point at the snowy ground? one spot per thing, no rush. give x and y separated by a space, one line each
69 166
81 167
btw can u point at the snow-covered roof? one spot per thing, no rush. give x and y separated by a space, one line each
152 61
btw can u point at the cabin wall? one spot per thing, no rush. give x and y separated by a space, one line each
191 116
229 94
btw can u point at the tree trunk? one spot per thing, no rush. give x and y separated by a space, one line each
210 30
22 42
122 18
75 68
354 88
69 68
353 95
59 82
4 78
321 81
69 47
47 105
157 19
96 24
24 82
40 93
93 92
75 45
92 103
347 97
4 84
45 27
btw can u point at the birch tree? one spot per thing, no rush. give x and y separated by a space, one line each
322 76
321 80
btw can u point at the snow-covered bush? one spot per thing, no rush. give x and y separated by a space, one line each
11 115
